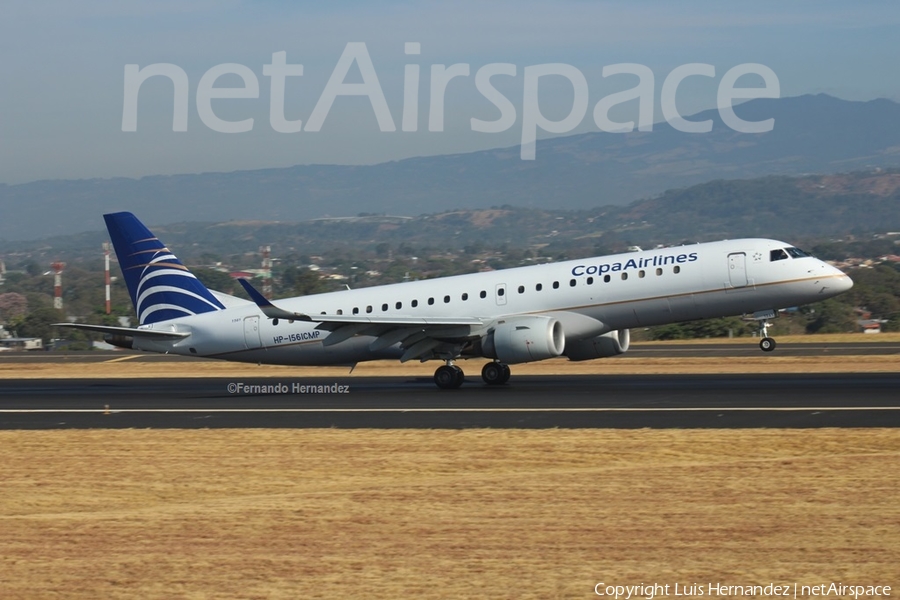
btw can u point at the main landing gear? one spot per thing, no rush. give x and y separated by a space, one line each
495 373
450 377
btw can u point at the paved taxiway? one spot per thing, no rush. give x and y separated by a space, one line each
594 401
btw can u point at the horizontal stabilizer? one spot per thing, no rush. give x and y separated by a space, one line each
129 331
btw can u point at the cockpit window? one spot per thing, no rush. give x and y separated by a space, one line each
796 252
777 255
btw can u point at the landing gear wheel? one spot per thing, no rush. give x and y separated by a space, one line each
767 344
493 373
506 373
448 377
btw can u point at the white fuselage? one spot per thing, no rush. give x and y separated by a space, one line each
636 289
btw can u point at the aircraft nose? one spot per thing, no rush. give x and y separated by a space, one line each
844 282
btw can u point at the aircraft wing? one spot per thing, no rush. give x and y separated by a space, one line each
418 336
129 331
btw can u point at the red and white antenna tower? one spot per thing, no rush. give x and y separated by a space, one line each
266 252
106 272
57 284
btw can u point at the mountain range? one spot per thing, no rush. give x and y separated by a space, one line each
812 134
803 210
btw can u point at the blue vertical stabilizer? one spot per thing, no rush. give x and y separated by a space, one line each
161 288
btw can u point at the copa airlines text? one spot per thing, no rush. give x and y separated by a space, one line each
580 309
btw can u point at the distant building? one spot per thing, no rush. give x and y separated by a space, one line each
21 344
871 325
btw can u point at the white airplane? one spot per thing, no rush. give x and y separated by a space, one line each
581 309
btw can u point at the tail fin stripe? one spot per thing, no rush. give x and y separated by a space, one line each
145 265
148 251
159 307
164 273
171 289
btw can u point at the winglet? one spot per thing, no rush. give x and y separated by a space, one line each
269 309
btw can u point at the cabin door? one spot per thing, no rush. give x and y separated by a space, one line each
737 269
251 332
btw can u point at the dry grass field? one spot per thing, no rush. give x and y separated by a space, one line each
441 514
295 514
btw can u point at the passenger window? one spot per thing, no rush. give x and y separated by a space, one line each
777 255
398 306
355 310
572 283
430 301
676 269
483 294
340 311
641 274
606 279
658 271
539 287
384 307
446 299
369 309
414 303
501 291
465 296
555 285
624 276
590 280
521 289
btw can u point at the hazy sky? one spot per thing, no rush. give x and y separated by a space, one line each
62 74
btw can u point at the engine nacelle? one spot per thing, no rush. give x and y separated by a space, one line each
602 346
525 339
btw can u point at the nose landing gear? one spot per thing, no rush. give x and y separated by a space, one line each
766 344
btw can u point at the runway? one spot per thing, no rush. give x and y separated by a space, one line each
592 401
642 350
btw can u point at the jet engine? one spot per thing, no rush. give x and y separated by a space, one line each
602 346
524 339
